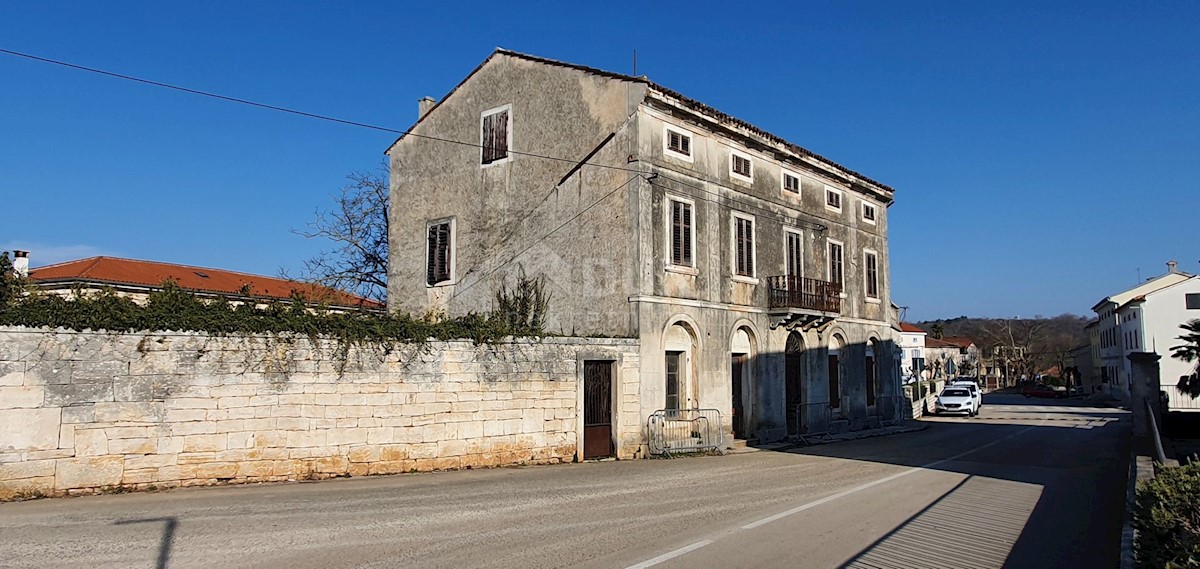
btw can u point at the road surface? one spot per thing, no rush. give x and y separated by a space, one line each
1028 483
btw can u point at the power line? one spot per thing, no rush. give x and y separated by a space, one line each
402 133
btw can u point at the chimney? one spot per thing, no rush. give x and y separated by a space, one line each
21 263
423 106
1171 267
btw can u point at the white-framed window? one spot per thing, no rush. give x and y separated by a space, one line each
742 246
495 135
677 143
833 199
793 252
868 212
681 234
741 166
836 266
790 182
871 275
439 252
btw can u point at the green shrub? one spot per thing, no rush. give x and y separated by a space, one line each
1167 518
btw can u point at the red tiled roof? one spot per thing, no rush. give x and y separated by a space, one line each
960 341
906 327
114 271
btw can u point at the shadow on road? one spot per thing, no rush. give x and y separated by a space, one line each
170 524
1048 478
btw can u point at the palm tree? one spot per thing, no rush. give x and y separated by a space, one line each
1189 351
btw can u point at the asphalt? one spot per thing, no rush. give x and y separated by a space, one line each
1028 483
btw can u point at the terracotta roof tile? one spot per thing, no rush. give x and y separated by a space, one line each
131 272
906 327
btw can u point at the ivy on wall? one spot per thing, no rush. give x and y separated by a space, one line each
174 308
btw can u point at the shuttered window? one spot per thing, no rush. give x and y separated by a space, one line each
494 136
438 251
794 249
833 199
868 212
835 263
791 183
682 235
679 142
743 246
872 265
741 165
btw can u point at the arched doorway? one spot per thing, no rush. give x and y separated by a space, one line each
793 371
872 370
679 347
741 384
836 345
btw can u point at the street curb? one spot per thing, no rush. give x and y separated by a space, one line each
865 434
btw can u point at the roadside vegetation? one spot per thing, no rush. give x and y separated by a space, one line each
1167 518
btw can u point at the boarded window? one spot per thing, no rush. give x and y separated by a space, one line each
744 246
437 268
872 266
795 254
791 183
679 142
741 165
835 263
674 368
833 199
495 136
681 234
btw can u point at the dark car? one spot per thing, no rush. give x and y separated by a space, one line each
1042 390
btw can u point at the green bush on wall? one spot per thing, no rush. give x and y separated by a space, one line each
1167 518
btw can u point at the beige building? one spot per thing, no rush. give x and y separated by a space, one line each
753 271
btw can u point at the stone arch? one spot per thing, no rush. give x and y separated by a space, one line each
834 369
681 351
743 381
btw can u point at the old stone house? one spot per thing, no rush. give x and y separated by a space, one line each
753 272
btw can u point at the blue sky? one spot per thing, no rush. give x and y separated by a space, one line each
1042 152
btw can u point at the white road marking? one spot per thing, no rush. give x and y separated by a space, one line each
670 555
687 549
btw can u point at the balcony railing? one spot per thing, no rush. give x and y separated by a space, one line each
808 294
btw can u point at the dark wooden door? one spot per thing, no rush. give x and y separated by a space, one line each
793 372
597 409
739 414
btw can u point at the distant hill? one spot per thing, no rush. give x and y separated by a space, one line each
1045 337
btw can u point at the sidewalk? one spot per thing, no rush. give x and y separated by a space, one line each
909 426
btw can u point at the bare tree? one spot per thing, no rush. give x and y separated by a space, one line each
357 226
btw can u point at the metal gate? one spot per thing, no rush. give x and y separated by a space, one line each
597 409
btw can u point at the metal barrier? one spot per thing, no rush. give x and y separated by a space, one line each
890 409
813 421
684 430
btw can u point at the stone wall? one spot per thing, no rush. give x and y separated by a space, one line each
96 411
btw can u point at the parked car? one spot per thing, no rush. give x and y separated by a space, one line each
973 387
956 399
1043 390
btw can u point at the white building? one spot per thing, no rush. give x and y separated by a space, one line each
1146 318
912 344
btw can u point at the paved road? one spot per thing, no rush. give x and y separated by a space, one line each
1028 483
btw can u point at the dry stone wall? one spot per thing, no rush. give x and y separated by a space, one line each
97 411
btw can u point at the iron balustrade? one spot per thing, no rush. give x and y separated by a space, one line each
684 430
789 291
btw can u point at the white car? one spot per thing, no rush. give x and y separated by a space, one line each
975 392
956 399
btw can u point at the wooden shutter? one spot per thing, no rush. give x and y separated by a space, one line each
495 137
685 144
744 250
437 267
794 258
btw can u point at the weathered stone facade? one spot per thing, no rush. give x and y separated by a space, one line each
595 220
82 412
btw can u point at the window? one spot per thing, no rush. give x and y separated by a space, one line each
793 252
868 211
683 233
495 134
791 183
1192 301
674 368
739 166
677 143
743 245
439 250
833 199
835 263
871 262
